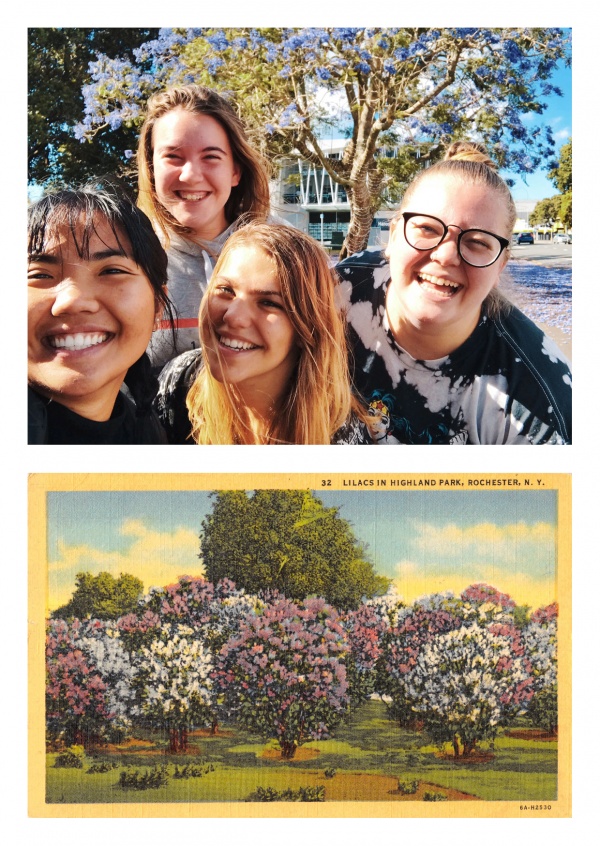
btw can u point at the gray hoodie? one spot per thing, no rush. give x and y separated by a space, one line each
189 271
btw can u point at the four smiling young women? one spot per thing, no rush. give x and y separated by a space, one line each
250 320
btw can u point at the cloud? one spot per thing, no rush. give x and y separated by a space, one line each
413 580
485 541
157 558
518 559
562 134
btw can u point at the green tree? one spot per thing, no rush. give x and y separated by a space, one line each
289 542
58 67
562 174
562 177
546 211
102 597
543 710
417 87
521 616
566 209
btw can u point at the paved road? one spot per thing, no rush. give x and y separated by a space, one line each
543 252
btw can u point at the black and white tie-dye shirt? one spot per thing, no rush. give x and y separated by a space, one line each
508 383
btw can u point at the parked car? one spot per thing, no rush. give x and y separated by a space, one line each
562 238
525 238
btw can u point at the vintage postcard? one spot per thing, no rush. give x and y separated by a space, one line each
283 645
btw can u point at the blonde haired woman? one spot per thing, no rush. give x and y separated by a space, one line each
456 362
273 365
197 175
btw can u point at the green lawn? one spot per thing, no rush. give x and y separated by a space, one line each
369 745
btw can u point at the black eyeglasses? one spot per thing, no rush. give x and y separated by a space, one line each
475 246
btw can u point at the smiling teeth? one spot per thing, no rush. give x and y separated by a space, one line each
233 344
199 196
435 280
78 341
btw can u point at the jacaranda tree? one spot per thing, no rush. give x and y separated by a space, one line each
284 675
412 88
57 67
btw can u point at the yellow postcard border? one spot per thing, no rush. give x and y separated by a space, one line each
40 484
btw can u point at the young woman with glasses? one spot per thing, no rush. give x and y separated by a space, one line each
456 362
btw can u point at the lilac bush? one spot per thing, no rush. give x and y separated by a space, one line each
541 645
173 685
77 707
284 674
466 683
459 667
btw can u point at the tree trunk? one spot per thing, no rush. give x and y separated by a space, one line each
361 217
214 728
178 740
288 749
456 746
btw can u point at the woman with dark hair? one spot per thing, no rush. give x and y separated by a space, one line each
197 176
96 285
429 329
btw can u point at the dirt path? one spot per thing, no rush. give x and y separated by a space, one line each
360 787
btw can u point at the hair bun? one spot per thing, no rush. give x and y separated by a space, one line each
469 151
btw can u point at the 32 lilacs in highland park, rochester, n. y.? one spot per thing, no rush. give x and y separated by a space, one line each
194 655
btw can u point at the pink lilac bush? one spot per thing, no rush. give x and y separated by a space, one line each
284 674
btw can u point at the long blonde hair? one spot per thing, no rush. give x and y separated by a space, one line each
319 399
250 197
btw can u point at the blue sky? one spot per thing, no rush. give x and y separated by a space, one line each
424 540
558 115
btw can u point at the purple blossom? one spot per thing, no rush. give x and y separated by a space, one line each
362 67
298 690
213 63
218 41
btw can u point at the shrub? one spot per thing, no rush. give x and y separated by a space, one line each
330 772
544 709
138 779
303 794
284 675
102 767
69 759
193 770
434 796
408 787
